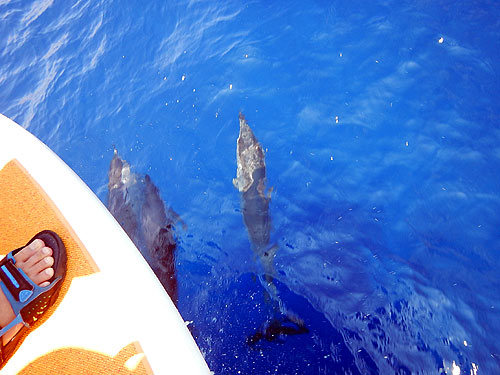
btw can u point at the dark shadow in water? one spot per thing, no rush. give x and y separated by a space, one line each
275 329
136 204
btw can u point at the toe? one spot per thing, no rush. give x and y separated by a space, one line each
26 253
43 277
37 268
38 256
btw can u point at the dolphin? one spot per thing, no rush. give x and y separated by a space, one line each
251 183
122 183
158 231
136 204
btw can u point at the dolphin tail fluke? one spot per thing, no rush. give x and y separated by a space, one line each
278 329
284 323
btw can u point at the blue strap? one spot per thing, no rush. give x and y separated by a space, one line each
18 319
16 285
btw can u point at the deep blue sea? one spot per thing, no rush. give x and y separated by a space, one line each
381 125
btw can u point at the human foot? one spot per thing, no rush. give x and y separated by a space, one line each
36 261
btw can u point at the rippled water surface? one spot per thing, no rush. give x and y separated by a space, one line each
380 122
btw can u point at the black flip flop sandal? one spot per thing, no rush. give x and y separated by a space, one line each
28 300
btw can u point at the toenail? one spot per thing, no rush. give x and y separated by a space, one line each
47 271
46 251
47 260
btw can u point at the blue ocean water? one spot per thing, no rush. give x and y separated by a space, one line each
380 122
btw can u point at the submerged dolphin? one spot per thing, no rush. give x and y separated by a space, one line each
251 183
158 230
121 183
136 204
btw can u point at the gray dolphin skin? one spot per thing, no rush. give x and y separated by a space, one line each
122 182
251 183
136 204
158 232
